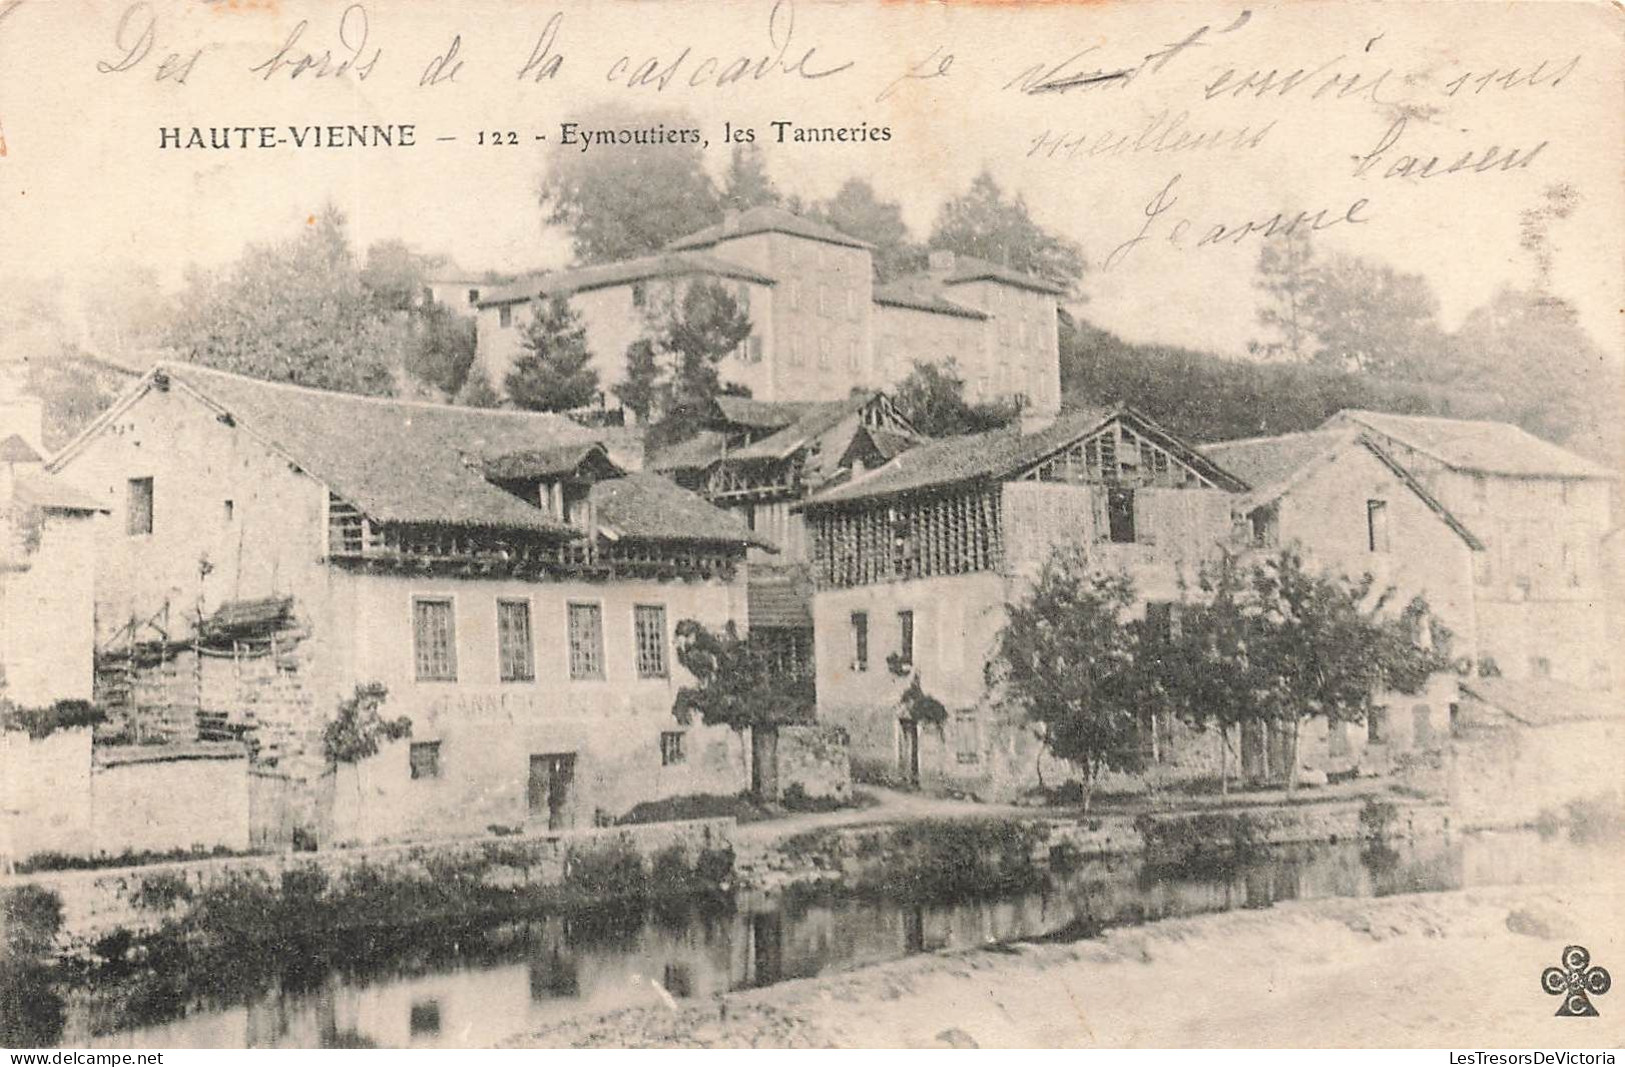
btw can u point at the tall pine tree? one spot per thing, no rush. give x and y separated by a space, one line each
554 372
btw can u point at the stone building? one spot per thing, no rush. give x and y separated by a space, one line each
1539 585
821 326
513 589
915 561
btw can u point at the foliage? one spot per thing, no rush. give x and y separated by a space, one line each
746 183
394 276
293 311
611 218
738 686
920 706
694 334
932 397
1370 317
41 723
739 806
61 861
1284 268
955 859
639 388
355 732
161 892
554 371
984 222
1071 660
858 211
442 348
33 917
477 391
72 393
31 1012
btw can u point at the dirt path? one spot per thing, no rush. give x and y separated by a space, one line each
1437 970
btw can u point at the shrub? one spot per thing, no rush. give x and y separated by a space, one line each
33 916
356 731
947 859
161 892
43 722
604 876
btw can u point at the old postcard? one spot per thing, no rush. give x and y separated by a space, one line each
811 523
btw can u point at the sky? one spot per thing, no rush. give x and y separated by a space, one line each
85 89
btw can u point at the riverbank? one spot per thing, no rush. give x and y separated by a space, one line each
1457 969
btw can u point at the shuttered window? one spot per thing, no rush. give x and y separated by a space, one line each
515 651
434 639
586 641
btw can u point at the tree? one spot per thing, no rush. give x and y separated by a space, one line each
639 388
356 732
1070 659
293 311
395 276
1275 642
698 331
1285 272
477 391
737 685
554 371
857 211
746 183
611 218
442 348
984 222
1369 317
932 397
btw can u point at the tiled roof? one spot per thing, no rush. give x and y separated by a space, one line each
623 272
553 461
1543 701
1263 461
649 507
764 414
999 454
816 420
15 450
694 453
922 293
766 219
52 493
973 269
1479 447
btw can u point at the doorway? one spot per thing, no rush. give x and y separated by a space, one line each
552 776
908 750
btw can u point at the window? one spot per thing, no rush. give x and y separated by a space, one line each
424 759
505 316
1266 525
794 293
1376 726
138 507
968 738
793 357
1120 515
671 748
905 638
742 297
1376 525
823 300
823 351
586 641
434 637
228 510
852 354
473 296
860 640
649 624
851 304
424 1017
754 352
515 651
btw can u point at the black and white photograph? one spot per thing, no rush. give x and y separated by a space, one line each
811 524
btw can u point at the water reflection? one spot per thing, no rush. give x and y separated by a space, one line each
477 986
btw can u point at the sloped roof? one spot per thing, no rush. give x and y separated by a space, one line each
1543 701
1002 453
622 272
974 269
766 219
1264 461
764 414
648 507
816 420
15 450
52 493
1273 465
554 461
398 461
922 293
693 453
1478 446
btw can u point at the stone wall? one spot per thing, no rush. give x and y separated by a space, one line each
44 792
96 902
1512 775
815 758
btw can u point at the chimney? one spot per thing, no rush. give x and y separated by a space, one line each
730 221
941 262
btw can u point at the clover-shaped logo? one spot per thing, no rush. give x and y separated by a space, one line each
1576 982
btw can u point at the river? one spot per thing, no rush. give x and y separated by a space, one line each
475 986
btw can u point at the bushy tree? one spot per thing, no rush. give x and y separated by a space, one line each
692 335
1285 272
356 732
746 184
554 369
395 276
1070 657
442 348
477 391
932 397
293 311
858 211
1372 318
984 222
639 387
609 217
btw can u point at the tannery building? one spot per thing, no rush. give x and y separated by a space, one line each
514 590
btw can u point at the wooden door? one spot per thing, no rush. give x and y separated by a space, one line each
552 780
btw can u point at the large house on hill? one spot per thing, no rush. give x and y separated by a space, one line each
271 547
821 326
